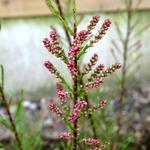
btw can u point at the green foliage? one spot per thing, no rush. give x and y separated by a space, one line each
29 132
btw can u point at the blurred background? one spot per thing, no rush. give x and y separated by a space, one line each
24 24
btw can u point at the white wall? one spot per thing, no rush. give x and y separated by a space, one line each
22 52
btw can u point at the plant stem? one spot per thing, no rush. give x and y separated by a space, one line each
75 134
63 17
6 106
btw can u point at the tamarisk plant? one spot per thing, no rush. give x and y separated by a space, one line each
73 105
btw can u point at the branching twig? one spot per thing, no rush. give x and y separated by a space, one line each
62 15
6 106
124 72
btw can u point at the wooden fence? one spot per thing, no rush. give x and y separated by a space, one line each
18 8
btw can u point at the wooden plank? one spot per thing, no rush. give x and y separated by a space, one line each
16 8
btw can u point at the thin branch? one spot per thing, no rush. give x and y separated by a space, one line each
124 71
13 125
62 15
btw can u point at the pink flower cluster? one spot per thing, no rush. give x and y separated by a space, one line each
99 68
110 70
47 43
71 60
77 109
51 68
81 37
101 31
100 105
94 84
65 136
106 23
53 46
92 142
53 36
97 71
48 64
92 62
118 66
80 105
52 107
62 95
74 50
95 19
93 23
73 116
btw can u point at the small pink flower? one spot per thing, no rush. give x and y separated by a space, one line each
101 67
64 136
96 83
80 105
53 35
47 43
118 65
92 142
104 102
107 23
96 18
48 64
82 35
74 50
73 116
77 108
52 107
62 94
71 67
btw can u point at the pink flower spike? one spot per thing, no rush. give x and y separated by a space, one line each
82 35
75 49
84 104
96 18
99 81
64 136
92 142
104 102
62 95
101 67
118 65
107 23
52 107
71 67
46 42
73 116
53 35
80 105
48 64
